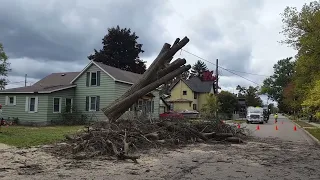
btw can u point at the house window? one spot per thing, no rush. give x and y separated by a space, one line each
32 104
11 100
194 106
93 79
184 92
56 105
195 95
68 105
140 104
93 103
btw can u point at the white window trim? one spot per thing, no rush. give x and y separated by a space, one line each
90 103
71 103
8 100
96 78
27 104
60 102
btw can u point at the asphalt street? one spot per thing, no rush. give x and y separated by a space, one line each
283 129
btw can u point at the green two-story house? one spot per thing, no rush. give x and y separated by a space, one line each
88 91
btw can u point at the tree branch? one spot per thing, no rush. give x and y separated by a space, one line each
124 104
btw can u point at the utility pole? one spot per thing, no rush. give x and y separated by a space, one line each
217 88
25 80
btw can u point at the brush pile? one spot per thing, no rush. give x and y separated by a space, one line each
124 138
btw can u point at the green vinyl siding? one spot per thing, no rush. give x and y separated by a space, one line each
106 91
18 110
121 88
67 93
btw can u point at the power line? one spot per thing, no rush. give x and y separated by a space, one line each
229 70
222 67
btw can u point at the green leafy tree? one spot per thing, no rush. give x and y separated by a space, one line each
282 76
120 50
4 68
198 68
312 102
228 103
251 95
211 106
301 29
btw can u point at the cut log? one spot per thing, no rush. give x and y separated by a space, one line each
124 104
165 56
224 135
234 140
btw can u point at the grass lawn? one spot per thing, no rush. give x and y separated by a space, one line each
315 132
21 136
303 124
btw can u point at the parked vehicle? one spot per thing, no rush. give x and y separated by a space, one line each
189 114
171 114
266 114
255 114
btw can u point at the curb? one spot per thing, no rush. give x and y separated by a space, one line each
310 135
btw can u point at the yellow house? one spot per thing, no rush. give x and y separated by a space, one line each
189 94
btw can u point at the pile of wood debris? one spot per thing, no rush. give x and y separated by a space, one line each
123 138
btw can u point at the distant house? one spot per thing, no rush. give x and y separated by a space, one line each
189 94
95 87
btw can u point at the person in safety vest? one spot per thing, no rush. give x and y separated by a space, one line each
276 117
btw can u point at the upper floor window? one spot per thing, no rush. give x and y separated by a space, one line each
195 95
184 92
93 78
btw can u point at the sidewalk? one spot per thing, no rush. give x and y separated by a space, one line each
4 146
315 124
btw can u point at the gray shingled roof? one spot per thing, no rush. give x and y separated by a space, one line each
120 75
56 81
51 82
196 85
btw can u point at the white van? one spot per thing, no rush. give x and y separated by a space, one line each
254 114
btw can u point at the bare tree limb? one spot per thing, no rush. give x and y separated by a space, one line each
164 56
124 104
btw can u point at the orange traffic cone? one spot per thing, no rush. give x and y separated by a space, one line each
276 127
295 128
238 126
258 127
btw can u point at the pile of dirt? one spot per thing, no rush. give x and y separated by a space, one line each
124 138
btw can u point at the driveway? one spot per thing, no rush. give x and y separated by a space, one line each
285 130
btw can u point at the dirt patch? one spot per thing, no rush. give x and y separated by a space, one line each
256 159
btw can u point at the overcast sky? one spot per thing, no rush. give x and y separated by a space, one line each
41 37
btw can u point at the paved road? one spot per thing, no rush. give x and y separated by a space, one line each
285 130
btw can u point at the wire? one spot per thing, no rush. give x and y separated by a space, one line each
222 67
229 70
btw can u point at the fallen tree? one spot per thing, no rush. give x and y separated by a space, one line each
120 138
124 138
159 72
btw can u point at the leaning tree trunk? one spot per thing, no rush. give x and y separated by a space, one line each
159 72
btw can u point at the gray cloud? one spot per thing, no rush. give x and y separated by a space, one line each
225 34
68 31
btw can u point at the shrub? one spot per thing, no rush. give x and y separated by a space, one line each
74 117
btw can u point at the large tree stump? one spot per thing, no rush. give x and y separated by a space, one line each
159 72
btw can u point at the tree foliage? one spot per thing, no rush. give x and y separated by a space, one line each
4 68
211 106
121 50
301 29
198 68
228 102
282 76
290 98
312 102
251 95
